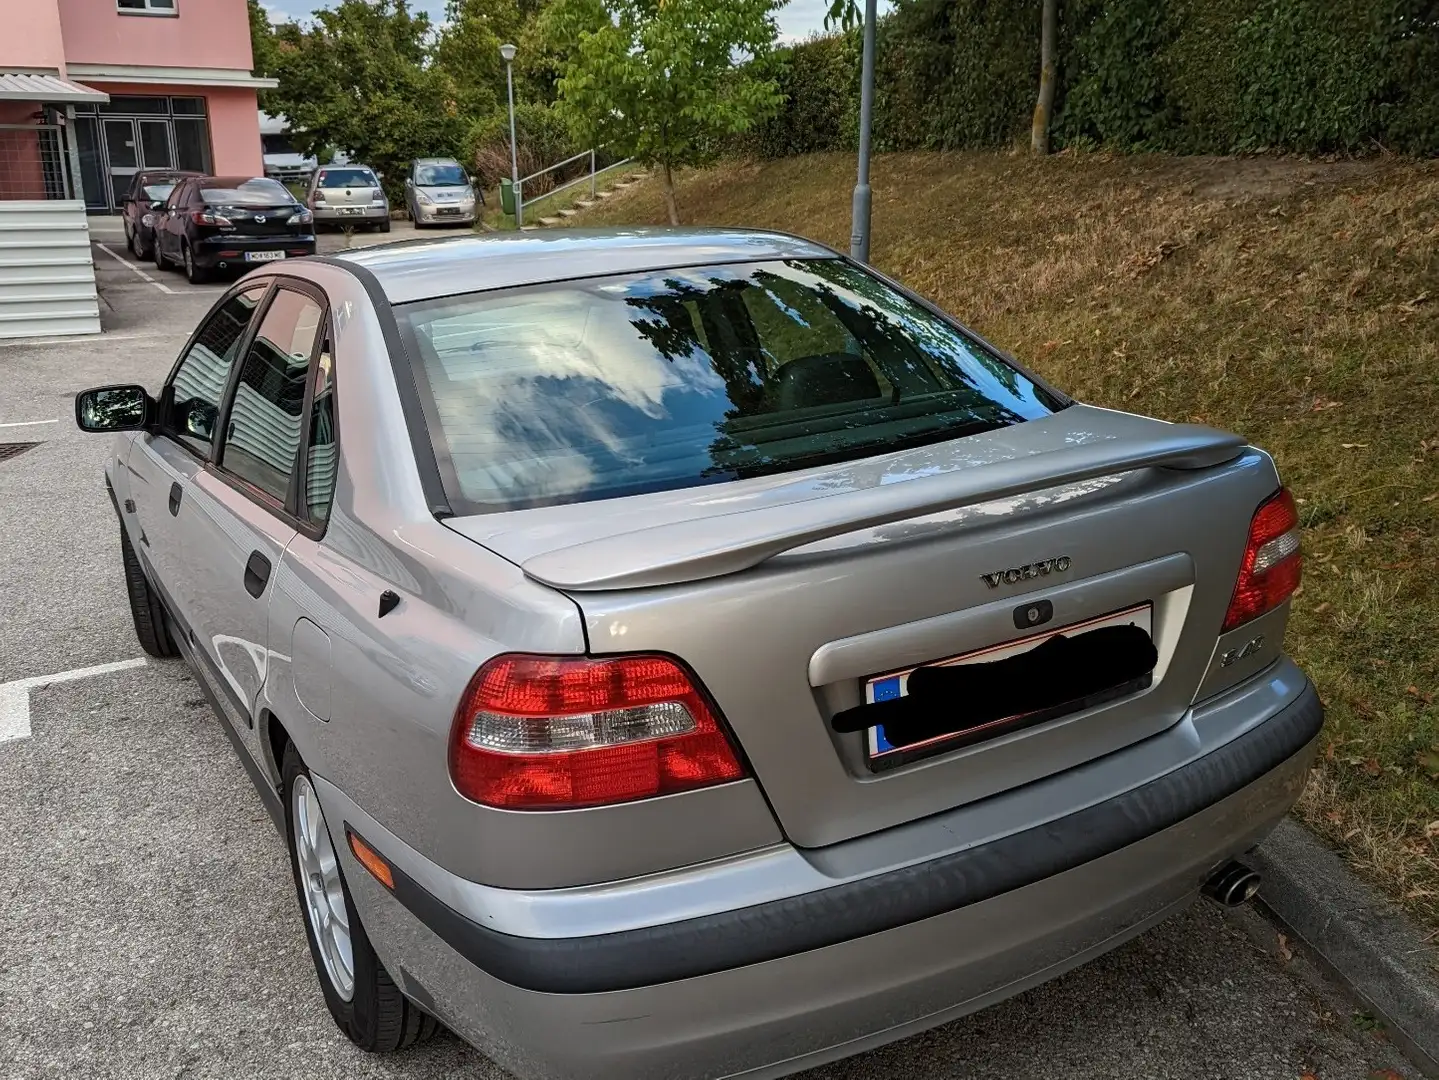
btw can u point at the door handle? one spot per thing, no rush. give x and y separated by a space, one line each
257 573
175 493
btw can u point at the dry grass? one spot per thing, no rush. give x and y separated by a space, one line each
1296 302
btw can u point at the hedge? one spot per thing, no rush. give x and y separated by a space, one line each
1183 76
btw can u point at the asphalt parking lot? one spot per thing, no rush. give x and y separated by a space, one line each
148 926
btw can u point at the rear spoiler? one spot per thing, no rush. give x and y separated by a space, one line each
712 546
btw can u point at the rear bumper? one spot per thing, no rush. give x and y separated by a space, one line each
773 987
336 215
230 250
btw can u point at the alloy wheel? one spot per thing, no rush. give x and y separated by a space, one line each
323 890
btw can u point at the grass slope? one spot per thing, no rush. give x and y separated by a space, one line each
1295 302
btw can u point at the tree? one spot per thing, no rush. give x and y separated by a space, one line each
468 50
262 40
665 81
361 80
1044 107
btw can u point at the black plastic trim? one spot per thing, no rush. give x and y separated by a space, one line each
404 372
731 939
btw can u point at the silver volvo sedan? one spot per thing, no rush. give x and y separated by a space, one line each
691 654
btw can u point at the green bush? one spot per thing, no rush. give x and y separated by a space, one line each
1186 76
541 139
819 79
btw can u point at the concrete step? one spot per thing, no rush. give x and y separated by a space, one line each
584 204
529 228
547 222
568 212
603 194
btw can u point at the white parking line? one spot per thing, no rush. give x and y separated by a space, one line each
15 695
29 423
126 262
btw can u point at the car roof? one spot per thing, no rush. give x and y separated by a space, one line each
434 161
425 269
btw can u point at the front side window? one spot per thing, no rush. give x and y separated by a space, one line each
262 436
190 402
604 387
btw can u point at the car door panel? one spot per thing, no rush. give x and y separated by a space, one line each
244 506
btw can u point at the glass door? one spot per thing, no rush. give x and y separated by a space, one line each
155 152
121 147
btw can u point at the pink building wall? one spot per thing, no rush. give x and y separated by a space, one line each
31 36
234 121
204 34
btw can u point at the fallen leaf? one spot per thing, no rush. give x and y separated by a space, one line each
1372 767
1284 949
1428 699
1320 405
1322 608
1355 445
1430 498
1308 1076
1334 817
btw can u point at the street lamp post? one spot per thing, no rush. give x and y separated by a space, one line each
508 52
859 228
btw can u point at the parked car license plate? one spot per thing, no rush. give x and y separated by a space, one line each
352 209
882 753
263 256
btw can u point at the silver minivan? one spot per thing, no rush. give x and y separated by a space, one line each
688 653
438 191
341 195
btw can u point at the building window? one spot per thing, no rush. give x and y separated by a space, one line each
146 7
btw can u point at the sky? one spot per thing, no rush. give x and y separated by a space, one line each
797 19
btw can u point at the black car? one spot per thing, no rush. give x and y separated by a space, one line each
214 223
148 189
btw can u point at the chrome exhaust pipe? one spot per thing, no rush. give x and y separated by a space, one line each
1231 885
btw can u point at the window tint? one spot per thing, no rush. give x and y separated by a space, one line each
189 404
257 192
440 176
338 178
158 193
262 437
321 457
604 387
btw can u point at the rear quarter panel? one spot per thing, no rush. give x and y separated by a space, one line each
395 680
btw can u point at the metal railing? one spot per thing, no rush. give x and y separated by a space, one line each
521 202
32 163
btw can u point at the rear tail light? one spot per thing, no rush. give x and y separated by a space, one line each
1272 562
547 732
304 217
208 217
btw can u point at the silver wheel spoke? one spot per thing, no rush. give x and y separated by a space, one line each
323 889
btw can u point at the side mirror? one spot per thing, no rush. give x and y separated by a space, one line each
114 408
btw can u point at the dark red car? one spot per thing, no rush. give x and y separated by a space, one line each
148 190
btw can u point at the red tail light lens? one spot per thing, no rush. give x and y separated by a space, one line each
548 732
208 217
1272 561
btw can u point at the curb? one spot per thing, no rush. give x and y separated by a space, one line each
1376 952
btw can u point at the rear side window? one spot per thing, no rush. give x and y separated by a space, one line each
616 386
262 436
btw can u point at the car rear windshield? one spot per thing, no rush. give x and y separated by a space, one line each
255 192
335 178
440 176
604 387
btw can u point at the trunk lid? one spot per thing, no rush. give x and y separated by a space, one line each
784 593
263 220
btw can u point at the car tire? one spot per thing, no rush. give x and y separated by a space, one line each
146 610
160 263
194 273
385 225
364 1001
